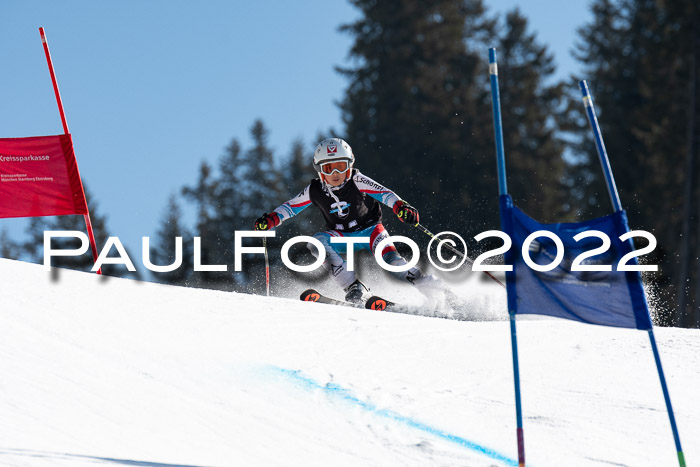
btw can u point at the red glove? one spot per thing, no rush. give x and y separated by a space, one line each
406 212
267 221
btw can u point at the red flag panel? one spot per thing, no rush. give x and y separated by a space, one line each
39 177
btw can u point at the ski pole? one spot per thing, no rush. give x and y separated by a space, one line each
457 252
267 267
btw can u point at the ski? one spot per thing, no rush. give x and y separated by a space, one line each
312 295
373 303
379 304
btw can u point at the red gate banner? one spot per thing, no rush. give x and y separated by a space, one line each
39 177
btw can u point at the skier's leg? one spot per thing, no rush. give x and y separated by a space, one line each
427 284
355 291
334 263
391 256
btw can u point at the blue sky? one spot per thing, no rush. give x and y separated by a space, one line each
151 88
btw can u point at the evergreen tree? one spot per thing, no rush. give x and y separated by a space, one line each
681 31
535 166
300 168
638 59
262 190
417 109
8 248
163 251
261 179
597 39
34 246
203 195
247 184
229 196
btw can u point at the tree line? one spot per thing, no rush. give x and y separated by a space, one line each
417 112
418 107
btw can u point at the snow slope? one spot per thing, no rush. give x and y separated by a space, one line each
116 372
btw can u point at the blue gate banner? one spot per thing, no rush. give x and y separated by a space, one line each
608 298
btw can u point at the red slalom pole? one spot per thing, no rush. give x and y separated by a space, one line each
53 80
88 223
267 267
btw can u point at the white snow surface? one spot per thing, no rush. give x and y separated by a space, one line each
112 372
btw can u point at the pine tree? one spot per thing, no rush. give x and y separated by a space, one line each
300 169
598 42
535 166
8 248
203 195
638 56
247 184
33 247
229 196
262 190
261 179
417 110
163 251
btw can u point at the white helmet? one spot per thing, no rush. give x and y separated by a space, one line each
332 150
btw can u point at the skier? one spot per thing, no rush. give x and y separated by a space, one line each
349 202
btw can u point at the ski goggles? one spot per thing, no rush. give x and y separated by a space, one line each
329 168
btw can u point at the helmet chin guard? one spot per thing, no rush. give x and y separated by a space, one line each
332 150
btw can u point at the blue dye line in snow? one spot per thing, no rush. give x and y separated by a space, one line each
344 394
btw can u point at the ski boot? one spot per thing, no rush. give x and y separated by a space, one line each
356 293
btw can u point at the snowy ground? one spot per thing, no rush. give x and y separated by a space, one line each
119 372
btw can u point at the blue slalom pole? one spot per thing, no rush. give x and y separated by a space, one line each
667 398
503 190
497 126
617 206
600 146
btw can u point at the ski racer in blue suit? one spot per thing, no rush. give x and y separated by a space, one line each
349 202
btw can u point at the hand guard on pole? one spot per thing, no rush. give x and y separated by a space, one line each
406 213
267 222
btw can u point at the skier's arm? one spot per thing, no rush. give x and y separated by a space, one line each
375 190
285 211
404 211
294 206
